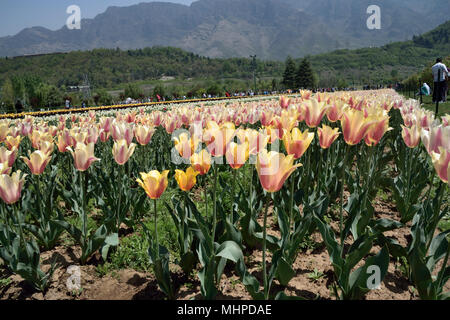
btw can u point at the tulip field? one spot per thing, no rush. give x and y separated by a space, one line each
313 196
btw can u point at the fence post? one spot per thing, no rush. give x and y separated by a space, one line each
420 91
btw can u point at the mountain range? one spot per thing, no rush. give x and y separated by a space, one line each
271 29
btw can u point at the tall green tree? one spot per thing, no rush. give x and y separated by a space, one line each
289 73
305 77
133 91
7 94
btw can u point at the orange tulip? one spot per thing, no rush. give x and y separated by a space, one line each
11 187
37 162
327 136
186 180
201 162
296 142
154 183
122 151
354 126
273 169
237 154
83 156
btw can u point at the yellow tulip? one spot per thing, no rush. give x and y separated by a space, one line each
274 168
237 154
186 180
201 162
296 142
154 183
13 142
355 126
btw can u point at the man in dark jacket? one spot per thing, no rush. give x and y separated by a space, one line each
19 107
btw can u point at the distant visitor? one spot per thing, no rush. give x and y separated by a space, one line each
440 76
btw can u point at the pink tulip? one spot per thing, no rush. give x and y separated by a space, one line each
37 161
11 187
411 136
122 151
8 156
441 162
83 156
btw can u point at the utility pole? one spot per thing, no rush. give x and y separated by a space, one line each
254 71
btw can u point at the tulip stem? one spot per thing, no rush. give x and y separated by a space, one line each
215 208
38 196
156 229
233 191
341 200
369 174
266 288
19 223
291 205
119 205
205 180
251 190
83 203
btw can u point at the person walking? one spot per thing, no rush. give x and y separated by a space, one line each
440 76
19 106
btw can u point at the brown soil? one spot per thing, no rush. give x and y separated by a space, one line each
133 285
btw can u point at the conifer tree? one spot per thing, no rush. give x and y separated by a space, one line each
305 75
289 74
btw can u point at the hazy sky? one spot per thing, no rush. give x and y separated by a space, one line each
16 15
